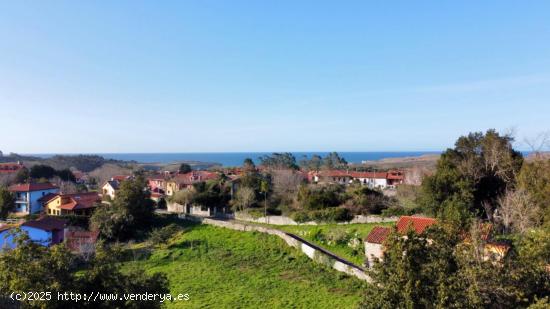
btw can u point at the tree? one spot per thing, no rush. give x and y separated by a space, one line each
439 269
286 183
334 161
185 168
32 267
244 198
7 202
313 164
134 199
277 160
66 175
534 178
42 171
472 175
131 211
212 193
516 212
22 175
184 197
248 165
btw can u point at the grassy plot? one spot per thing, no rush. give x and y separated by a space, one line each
345 240
221 268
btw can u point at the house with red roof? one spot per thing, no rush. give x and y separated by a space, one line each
371 179
374 242
80 204
10 168
28 196
183 181
45 231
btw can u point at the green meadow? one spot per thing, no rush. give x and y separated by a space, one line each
222 268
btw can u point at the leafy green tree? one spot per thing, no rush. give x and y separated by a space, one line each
42 171
32 267
334 161
313 164
472 176
66 175
185 168
131 211
277 160
534 178
7 202
439 269
212 193
320 197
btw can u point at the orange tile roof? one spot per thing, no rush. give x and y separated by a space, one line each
419 224
80 200
8 168
28 187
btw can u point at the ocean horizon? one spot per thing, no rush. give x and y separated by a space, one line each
237 158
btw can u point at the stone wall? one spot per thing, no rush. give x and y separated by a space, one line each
283 220
313 251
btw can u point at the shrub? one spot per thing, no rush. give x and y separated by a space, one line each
300 216
163 234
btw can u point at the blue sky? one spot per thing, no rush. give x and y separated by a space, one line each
188 76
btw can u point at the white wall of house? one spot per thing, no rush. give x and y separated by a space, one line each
108 190
374 182
373 251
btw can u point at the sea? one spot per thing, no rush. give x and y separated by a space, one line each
237 158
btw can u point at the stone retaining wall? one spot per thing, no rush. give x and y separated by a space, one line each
313 251
283 220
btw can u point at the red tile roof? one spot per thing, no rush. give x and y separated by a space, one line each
120 177
8 168
79 200
419 224
28 187
377 175
46 224
378 235
395 175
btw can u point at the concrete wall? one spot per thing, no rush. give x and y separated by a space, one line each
314 252
282 220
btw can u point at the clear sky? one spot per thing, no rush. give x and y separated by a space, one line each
191 76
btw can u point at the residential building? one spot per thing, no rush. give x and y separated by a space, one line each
374 242
381 180
45 231
10 168
28 196
81 204
109 188
183 181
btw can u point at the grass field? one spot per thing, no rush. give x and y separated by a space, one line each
221 268
336 237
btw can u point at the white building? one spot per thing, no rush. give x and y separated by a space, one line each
28 196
